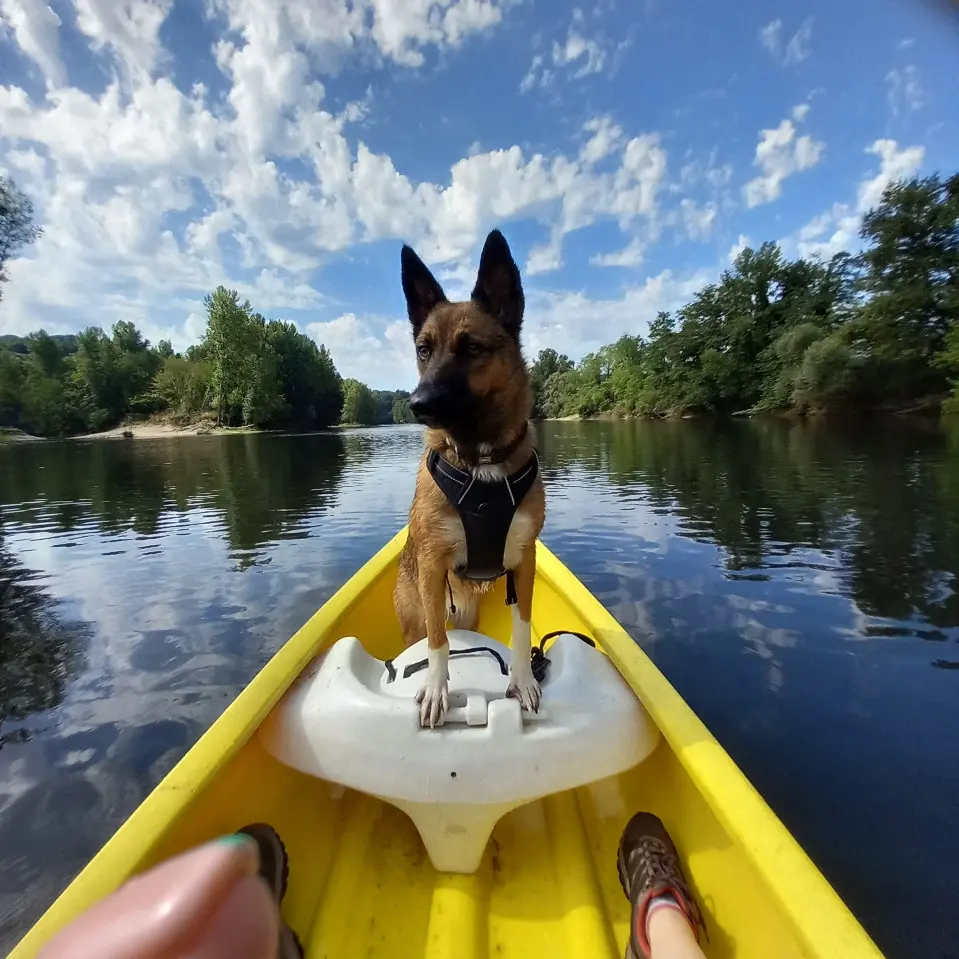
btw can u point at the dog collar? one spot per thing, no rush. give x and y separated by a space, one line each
498 454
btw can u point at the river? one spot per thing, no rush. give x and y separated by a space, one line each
795 581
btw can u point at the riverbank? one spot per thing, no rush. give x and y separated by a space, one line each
9 434
154 430
934 405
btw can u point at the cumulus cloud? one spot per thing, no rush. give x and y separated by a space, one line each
837 228
786 51
905 90
377 350
150 195
629 256
780 154
36 30
129 29
582 324
546 257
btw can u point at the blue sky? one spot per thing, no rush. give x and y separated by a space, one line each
287 148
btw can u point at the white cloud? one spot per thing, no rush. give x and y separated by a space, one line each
630 256
36 30
151 196
536 76
894 165
376 350
770 36
707 172
129 28
800 111
401 29
698 221
580 324
780 154
546 257
606 137
842 221
797 49
788 52
577 55
905 90
738 247
587 55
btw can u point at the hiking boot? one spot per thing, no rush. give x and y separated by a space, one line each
275 872
649 868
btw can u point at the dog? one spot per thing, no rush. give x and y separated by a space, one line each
479 502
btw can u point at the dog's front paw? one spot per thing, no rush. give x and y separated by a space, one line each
434 702
434 697
523 686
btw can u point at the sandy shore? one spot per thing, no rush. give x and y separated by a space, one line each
153 431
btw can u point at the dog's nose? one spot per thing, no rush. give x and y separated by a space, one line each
425 401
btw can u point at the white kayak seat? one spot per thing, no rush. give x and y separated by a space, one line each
351 719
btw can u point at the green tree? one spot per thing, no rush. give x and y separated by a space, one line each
16 224
911 283
311 388
228 342
358 403
401 410
544 366
183 387
12 372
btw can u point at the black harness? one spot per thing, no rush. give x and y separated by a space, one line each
486 508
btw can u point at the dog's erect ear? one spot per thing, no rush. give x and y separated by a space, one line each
420 288
498 288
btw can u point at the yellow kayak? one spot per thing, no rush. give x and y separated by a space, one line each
361 883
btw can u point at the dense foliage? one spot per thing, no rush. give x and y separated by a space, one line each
245 370
16 224
874 330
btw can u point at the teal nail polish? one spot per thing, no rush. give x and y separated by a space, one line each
235 839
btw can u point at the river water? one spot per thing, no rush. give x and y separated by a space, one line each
795 582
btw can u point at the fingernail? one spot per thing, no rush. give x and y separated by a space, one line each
237 839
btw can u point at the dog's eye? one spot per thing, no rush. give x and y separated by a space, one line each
423 351
470 347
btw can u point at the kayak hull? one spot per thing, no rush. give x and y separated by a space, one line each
361 883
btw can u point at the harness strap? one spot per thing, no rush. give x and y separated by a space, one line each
511 599
486 509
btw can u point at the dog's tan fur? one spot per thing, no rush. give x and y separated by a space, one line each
499 380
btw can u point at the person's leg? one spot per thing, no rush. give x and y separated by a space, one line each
666 919
671 936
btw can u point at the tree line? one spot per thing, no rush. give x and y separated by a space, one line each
245 371
873 330
868 331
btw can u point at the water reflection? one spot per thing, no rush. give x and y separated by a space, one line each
142 584
876 509
38 650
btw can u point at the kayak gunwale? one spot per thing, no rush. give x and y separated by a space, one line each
823 924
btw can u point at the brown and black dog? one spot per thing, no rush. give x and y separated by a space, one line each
479 503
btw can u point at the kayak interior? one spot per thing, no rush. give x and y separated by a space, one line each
361 883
